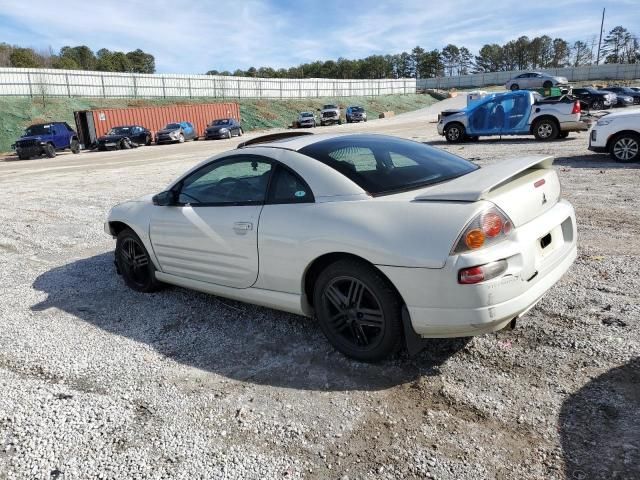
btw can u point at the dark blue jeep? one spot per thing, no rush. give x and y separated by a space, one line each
46 138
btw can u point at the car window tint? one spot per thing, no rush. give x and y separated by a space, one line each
287 187
400 160
227 182
357 158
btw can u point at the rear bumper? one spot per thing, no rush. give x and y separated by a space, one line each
578 126
440 307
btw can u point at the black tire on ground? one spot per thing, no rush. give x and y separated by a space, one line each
547 84
454 132
74 146
597 105
240 132
22 156
340 122
181 138
563 134
134 263
625 147
545 129
515 87
229 134
147 140
365 119
49 151
314 124
358 310
125 144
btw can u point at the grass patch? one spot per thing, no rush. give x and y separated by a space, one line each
17 113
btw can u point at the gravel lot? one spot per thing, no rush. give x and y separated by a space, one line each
101 382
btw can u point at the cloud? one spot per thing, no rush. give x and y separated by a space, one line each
195 36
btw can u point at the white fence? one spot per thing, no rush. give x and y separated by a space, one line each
609 71
74 83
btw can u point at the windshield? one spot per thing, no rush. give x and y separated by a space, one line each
119 131
306 114
172 126
381 164
328 106
37 130
357 109
221 121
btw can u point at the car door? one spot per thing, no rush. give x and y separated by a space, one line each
59 136
482 118
210 234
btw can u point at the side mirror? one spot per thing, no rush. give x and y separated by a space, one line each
165 199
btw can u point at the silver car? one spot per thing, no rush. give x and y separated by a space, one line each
529 80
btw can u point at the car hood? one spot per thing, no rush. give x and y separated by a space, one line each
217 128
306 119
164 131
31 137
337 110
111 138
452 111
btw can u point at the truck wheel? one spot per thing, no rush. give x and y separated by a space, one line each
515 87
74 146
625 148
49 151
545 129
454 133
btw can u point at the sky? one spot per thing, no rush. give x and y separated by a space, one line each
194 36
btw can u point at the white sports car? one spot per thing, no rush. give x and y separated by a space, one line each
383 240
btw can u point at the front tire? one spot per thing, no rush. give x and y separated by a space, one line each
598 105
547 84
545 130
181 138
49 151
240 132
625 148
74 146
454 133
134 263
515 87
147 140
358 310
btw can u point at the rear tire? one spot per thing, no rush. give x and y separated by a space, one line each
546 130
625 148
147 140
181 138
240 132
134 263
74 146
547 84
515 87
358 310
454 132
598 105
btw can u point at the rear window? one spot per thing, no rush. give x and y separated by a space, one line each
381 165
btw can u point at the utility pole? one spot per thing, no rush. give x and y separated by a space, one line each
600 41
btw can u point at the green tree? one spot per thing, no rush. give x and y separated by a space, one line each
24 58
490 58
616 45
141 62
5 54
65 63
581 55
82 55
561 53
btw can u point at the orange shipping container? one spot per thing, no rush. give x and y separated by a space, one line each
92 124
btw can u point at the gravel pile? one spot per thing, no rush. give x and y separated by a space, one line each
98 381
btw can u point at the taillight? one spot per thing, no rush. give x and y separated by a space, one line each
489 227
482 273
576 107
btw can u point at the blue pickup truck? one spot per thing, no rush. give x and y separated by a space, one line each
46 139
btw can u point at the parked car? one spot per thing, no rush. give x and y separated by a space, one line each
306 119
330 114
124 137
513 113
618 134
625 93
531 80
356 114
380 238
636 89
592 99
176 132
46 139
223 128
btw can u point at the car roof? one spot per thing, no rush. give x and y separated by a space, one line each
299 142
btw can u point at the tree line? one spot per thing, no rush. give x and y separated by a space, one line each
77 58
523 53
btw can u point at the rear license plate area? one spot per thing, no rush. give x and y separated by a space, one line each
545 241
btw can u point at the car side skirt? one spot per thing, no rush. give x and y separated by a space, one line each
288 302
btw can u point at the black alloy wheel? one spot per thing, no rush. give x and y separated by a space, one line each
134 263
358 310
597 105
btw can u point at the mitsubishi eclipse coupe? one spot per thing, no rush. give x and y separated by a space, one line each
382 240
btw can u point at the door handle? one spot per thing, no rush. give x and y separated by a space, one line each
243 226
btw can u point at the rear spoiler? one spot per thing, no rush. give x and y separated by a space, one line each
273 137
476 185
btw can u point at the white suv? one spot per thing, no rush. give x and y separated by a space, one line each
618 134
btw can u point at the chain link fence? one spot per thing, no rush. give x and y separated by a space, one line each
74 83
573 74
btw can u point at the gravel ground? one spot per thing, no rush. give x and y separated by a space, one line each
101 382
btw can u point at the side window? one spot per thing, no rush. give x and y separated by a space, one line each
232 181
287 187
355 159
400 160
